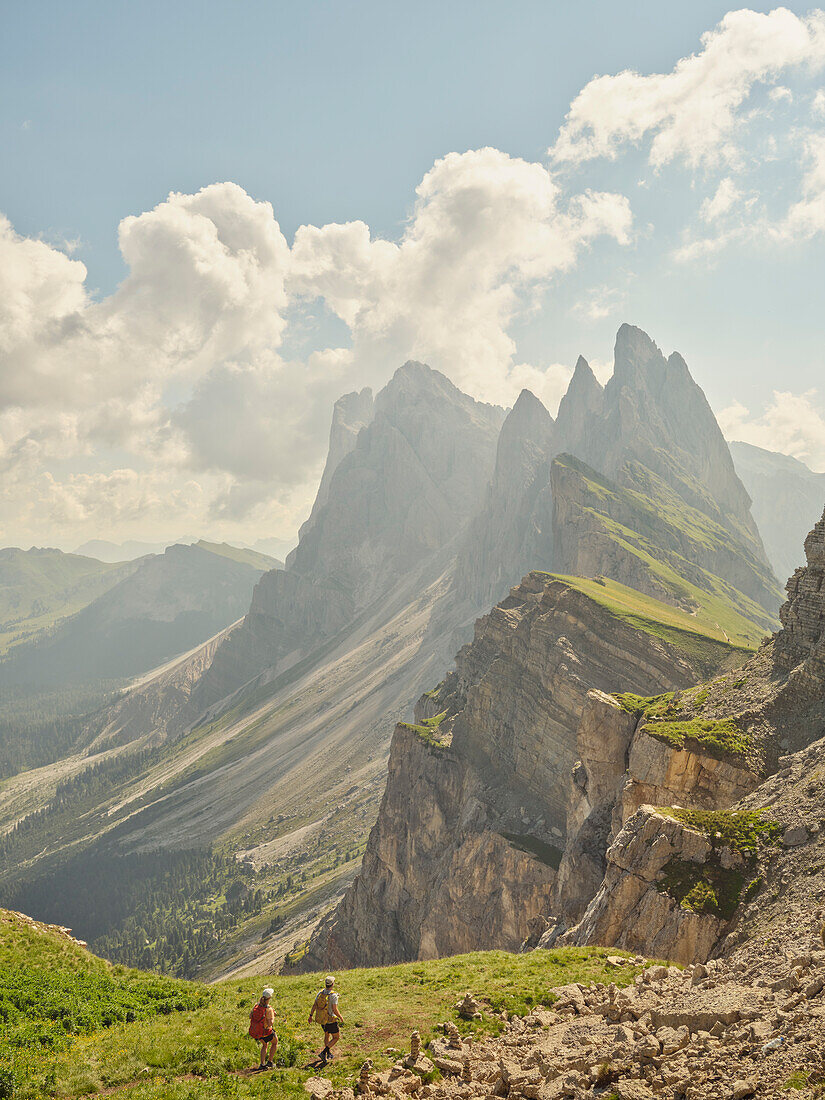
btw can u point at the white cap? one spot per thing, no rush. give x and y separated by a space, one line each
268 993
329 980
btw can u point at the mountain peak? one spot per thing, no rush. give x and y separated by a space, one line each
584 379
528 424
420 373
415 379
583 401
634 354
528 406
418 386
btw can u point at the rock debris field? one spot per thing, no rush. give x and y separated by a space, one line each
728 1030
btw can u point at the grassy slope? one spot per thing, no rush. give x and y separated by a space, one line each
241 555
662 522
702 633
38 588
207 1035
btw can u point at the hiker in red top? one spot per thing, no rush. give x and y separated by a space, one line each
325 1011
262 1029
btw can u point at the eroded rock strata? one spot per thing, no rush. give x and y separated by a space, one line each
472 824
669 886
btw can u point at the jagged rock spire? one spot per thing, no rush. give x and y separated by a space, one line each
803 615
581 405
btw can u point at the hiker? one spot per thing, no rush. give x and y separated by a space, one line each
262 1029
325 1011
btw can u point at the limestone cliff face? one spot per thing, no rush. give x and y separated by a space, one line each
400 487
628 910
623 764
660 774
513 532
471 827
350 414
437 877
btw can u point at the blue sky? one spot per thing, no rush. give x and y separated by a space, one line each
335 113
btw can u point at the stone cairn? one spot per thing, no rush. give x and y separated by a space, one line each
363 1085
469 1008
453 1037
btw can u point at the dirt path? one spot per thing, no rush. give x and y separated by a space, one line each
126 1085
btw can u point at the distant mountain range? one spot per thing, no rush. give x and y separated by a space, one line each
74 630
162 605
39 587
787 501
271 738
107 551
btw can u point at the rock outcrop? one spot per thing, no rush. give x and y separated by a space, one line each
630 911
708 749
802 637
625 763
471 827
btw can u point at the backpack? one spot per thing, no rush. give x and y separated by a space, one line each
322 1012
257 1022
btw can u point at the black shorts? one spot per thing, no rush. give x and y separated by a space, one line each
331 1028
266 1038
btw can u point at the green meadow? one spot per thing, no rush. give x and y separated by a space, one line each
77 1026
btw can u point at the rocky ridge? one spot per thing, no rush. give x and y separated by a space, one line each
749 1021
700 750
633 481
471 828
724 741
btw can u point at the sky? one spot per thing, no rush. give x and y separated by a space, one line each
215 218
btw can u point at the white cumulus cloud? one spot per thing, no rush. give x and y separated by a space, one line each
692 112
792 423
172 397
487 231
